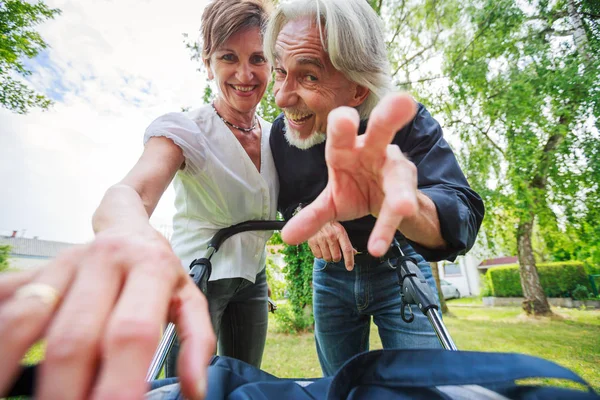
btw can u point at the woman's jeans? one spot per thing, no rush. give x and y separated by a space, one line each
239 315
344 302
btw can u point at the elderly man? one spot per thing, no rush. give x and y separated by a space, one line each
332 83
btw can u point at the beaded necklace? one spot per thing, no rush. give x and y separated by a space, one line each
234 126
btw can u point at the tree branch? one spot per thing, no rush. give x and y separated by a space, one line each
485 133
409 59
405 83
541 177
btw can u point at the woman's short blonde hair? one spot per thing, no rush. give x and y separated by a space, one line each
223 18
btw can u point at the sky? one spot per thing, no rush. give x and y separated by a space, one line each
112 68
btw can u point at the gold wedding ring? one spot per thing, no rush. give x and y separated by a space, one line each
46 293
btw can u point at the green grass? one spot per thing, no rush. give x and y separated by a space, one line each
572 340
467 301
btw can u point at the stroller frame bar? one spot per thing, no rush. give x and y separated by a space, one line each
200 270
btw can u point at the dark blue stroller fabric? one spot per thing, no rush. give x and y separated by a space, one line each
403 374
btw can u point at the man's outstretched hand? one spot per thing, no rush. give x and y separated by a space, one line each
367 175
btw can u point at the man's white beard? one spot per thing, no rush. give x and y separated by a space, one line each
293 138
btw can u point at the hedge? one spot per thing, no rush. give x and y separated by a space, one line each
558 279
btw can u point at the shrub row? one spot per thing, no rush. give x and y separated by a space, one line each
558 279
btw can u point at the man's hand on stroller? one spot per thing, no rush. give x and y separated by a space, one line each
101 308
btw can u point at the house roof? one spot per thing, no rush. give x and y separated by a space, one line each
493 262
20 246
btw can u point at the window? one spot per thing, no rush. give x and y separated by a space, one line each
452 269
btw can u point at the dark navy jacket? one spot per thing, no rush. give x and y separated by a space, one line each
303 176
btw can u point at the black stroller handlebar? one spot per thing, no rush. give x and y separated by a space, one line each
226 233
200 270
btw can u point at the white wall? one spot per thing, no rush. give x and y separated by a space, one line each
468 282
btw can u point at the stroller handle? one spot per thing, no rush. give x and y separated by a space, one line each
225 233
200 271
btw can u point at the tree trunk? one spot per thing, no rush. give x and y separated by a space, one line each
579 34
436 276
535 301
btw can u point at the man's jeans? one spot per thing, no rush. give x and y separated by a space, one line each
344 301
239 315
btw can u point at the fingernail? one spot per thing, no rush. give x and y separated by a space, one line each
379 247
201 388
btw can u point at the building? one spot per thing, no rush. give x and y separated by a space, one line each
463 274
497 262
31 252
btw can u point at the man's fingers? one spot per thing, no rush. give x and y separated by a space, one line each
24 317
309 220
315 248
399 183
342 128
346 246
197 339
383 233
327 250
392 113
400 199
133 331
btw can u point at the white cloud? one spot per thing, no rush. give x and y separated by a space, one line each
112 68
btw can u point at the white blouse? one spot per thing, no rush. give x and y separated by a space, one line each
219 187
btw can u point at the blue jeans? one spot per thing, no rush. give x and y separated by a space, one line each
344 302
239 315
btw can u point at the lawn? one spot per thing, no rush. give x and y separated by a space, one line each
573 341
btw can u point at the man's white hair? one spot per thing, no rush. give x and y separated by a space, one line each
353 40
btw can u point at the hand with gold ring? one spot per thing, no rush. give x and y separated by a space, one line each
101 308
44 292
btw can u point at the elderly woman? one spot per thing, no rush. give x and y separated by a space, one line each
102 305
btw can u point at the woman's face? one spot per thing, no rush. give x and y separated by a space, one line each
240 70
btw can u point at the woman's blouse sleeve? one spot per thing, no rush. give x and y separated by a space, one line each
185 133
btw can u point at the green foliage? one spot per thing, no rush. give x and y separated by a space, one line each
19 41
4 252
277 287
416 35
289 321
558 279
208 96
298 275
267 107
524 97
581 293
275 239
486 286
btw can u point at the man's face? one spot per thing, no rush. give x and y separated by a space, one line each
307 86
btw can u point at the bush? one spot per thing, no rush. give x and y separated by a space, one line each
277 287
4 252
298 276
581 293
558 279
290 322
486 289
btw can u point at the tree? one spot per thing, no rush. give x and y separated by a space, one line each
524 95
435 271
19 41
